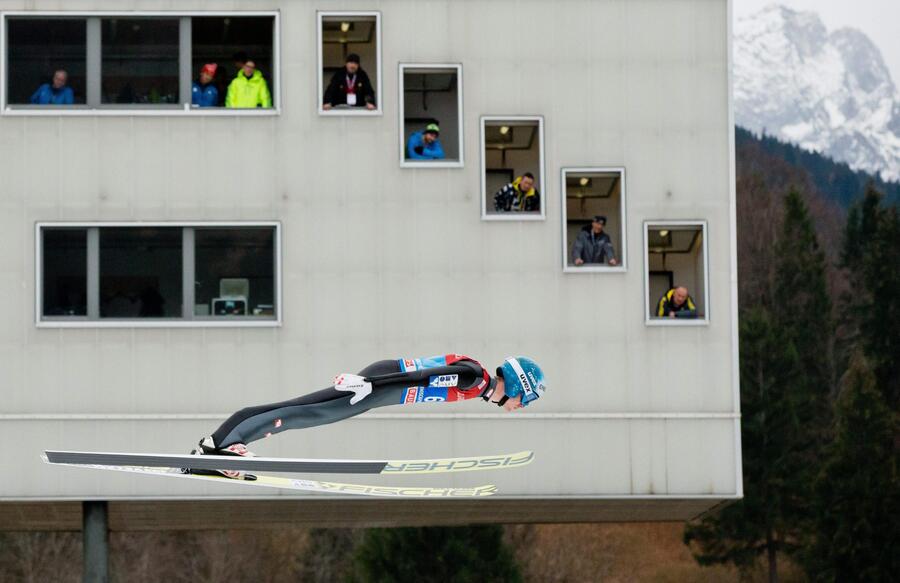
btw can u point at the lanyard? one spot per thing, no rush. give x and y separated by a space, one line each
351 83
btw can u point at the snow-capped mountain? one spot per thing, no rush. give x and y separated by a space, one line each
825 91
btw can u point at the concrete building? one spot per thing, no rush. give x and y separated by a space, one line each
164 264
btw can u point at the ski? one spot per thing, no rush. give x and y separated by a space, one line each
265 481
289 465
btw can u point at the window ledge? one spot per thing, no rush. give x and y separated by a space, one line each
436 164
162 323
676 323
513 217
616 269
351 112
139 112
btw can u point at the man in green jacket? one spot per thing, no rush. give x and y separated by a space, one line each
248 89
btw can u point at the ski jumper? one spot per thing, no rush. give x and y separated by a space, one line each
447 378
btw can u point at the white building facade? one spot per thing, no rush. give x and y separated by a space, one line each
164 264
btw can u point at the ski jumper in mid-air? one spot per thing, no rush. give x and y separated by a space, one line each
446 378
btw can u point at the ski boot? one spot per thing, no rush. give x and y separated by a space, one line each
208 447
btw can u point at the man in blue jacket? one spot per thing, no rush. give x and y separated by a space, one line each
203 91
56 92
425 145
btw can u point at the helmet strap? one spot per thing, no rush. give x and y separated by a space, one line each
502 400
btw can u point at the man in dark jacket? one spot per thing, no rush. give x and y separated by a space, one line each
350 86
592 245
520 195
676 303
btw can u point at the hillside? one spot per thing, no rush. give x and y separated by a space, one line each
836 181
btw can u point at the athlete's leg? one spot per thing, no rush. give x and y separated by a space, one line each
319 408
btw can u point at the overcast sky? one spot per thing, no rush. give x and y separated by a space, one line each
879 19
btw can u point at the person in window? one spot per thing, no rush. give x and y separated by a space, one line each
350 86
203 91
425 144
520 195
592 245
56 92
676 303
248 89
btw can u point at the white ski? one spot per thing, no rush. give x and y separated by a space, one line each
307 485
309 466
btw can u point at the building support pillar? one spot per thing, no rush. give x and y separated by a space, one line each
95 541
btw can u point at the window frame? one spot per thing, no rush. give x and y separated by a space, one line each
320 81
401 98
179 109
661 223
623 216
541 162
86 322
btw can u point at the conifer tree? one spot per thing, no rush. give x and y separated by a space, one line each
857 495
801 304
785 372
764 523
871 256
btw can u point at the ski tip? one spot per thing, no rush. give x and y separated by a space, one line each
44 458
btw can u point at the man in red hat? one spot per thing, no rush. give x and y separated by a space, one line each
204 92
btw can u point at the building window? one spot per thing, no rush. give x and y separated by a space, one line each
140 63
593 214
677 278
46 61
512 168
158 274
349 63
431 121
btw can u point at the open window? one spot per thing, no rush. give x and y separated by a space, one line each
512 168
349 63
146 274
677 268
139 62
431 120
593 219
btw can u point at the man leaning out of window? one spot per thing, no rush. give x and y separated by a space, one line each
676 303
520 195
425 144
592 245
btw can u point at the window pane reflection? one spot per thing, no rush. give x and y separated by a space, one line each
65 272
140 60
235 272
140 272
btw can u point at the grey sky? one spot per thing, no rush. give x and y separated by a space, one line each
877 18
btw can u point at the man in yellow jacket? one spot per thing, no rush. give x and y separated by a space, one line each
248 89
